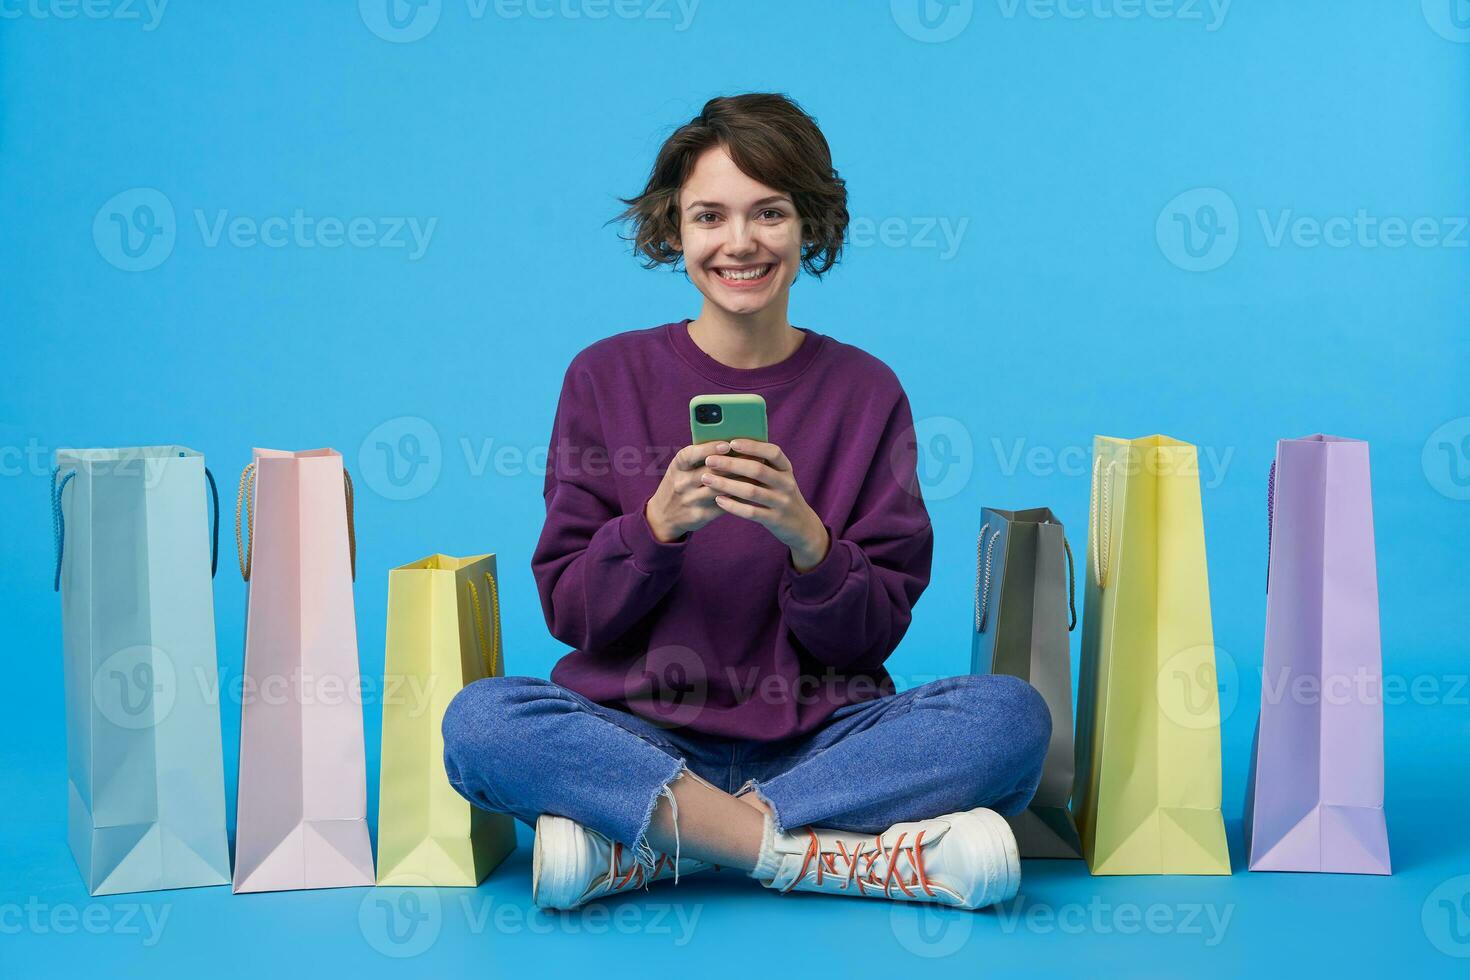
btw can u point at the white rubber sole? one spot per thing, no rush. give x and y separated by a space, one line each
556 857
1004 868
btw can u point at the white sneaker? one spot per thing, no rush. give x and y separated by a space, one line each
968 860
572 864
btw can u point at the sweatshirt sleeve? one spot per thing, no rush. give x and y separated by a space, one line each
598 570
853 607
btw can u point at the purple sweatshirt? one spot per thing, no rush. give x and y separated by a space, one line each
717 631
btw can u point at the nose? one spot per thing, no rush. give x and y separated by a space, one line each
742 241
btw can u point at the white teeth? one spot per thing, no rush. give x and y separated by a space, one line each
755 273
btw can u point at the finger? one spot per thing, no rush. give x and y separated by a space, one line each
751 492
768 451
741 509
756 469
692 457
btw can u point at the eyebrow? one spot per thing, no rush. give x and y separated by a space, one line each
773 199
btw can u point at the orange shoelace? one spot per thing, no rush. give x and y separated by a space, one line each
635 875
827 864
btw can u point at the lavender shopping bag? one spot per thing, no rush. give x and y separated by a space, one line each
1315 797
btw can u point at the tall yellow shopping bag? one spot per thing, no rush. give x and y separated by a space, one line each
443 633
1147 792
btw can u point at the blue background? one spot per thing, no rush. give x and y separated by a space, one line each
1056 144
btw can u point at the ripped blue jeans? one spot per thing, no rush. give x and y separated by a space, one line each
526 746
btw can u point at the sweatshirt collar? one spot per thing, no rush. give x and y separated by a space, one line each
733 377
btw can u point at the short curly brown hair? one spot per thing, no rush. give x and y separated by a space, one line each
772 140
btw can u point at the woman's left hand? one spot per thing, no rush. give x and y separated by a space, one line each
772 498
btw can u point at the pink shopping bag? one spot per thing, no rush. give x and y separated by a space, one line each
302 809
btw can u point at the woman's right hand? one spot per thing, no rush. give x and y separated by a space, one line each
682 502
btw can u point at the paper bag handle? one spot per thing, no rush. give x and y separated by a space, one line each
982 593
1102 530
491 659
1270 519
351 530
244 544
58 520
245 548
1071 586
214 536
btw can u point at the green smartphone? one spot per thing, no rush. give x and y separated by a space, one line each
717 417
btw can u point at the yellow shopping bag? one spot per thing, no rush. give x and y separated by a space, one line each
443 633
1147 792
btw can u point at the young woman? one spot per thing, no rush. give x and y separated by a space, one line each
731 604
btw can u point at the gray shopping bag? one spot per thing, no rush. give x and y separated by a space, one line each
1025 605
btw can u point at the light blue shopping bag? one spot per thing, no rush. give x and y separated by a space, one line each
133 564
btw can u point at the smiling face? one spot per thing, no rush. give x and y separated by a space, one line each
741 239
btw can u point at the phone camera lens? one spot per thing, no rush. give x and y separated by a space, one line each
707 414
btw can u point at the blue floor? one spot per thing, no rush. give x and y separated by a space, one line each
1065 922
